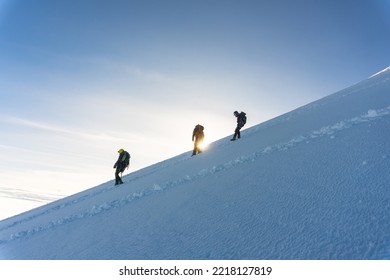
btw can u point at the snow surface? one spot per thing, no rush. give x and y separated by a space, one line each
311 184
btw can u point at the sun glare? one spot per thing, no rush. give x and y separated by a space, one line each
203 145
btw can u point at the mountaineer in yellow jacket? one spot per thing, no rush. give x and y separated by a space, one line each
120 165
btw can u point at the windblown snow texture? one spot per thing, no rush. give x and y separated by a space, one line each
311 184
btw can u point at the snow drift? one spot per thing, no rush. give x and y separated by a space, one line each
311 184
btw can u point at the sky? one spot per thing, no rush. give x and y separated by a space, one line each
80 79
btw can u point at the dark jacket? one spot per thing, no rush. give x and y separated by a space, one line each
198 133
123 160
241 119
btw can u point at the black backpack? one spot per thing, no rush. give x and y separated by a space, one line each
243 118
126 160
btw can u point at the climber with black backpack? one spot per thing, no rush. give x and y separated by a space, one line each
121 164
241 121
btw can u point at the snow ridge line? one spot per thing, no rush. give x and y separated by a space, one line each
156 188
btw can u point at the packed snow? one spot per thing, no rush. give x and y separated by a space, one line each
311 184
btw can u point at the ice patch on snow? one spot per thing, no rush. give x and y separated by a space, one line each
372 114
156 187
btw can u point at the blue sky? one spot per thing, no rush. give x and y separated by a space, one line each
80 79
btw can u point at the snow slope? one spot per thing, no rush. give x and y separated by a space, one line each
311 184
